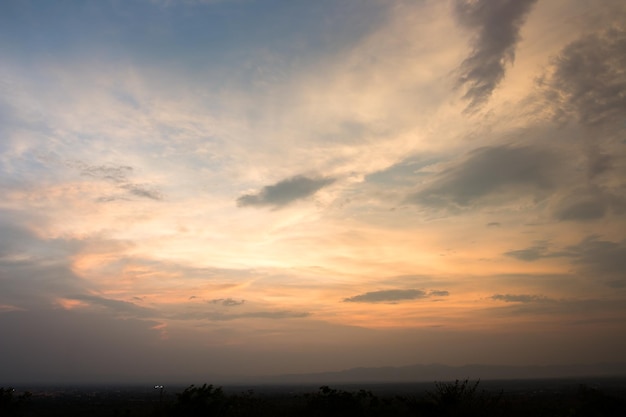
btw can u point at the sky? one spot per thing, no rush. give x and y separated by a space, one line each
196 189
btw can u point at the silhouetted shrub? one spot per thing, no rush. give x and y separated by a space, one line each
460 398
594 403
199 401
332 402
10 405
247 404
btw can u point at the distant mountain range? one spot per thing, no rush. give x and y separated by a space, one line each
437 372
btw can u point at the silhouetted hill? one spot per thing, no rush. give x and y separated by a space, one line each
437 372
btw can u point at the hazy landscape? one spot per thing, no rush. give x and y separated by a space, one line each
582 396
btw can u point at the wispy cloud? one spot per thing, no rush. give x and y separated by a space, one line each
519 298
587 80
35 270
118 307
120 176
532 253
227 302
117 173
504 170
496 25
601 260
589 203
143 190
284 192
393 296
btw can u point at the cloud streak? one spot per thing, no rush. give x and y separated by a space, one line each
496 25
519 298
587 80
118 175
227 302
284 192
393 296
118 307
486 171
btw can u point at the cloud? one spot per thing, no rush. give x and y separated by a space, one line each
497 25
575 311
582 207
34 270
601 259
403 172
144 191
587 80
227 302
386 296
488 170
519 298
71 346
117 306
119 175
218 316
598 162
589 204
285 192
439 293
116 173
282 314
529 254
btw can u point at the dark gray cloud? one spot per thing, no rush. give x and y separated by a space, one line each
597 259
566 311
585 84
589 203
124 308
387 296
59 346
588 81
439 293
582 207
519 298
489 170
598 162
227 302
529 254
601 259
494 224
34 271
285 192
496 24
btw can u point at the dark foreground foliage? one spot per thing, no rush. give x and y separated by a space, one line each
11 404
458 398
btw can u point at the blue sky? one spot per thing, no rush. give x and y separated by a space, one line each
246 187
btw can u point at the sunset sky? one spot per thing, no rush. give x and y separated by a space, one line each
210 188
